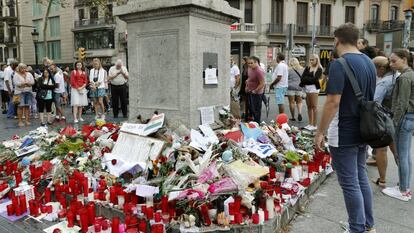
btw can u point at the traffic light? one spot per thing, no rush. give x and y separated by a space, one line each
81 53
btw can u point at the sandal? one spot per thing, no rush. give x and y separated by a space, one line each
380 183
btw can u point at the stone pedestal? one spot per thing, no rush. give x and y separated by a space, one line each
167 46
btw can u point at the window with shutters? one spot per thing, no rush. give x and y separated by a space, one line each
350 14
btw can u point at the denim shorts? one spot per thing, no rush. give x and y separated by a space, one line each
26 99
100 92
56 99
280 94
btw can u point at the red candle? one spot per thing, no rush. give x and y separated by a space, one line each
232 210
115 225
84 220
239 218
71 218
48 194
158 217
134 198
157 228
10 209
91 212
105 225
15 201
97 227
85 187
255 218
18 177
144 209
272 173
204 212
150 213
62 201
23 204
17 210
266 215
34 208
128 220
143 226
164 204
113 198
62 214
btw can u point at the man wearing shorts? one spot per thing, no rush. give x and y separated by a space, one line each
280 80
59 92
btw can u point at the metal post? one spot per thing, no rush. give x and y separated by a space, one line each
314 26
36 61
407 28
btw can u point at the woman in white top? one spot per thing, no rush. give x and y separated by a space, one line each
23 82
97 80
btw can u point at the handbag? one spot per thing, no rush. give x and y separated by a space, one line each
16 99
376 125
42 94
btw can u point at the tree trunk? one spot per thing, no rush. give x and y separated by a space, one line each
45 19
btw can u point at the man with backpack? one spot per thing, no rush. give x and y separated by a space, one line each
341 114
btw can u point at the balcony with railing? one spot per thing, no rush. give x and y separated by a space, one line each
93 23
277 29
373 25
391 25
243 27
10 40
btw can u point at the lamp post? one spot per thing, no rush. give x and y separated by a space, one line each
35 37
407 27
314 26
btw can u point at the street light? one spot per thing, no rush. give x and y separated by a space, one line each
314 26
35 38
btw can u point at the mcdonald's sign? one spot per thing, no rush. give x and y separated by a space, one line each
324 54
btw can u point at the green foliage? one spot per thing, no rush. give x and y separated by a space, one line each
292 156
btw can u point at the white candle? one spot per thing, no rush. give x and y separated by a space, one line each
270 206
261 216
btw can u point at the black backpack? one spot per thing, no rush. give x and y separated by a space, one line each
376 125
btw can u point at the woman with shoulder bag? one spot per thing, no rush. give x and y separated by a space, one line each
97 79
295 92
383 95
403 110
79 99
23 81
45 96
310 82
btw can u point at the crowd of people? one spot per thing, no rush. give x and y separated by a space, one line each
389 80
43 93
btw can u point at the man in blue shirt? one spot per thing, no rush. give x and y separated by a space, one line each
341 115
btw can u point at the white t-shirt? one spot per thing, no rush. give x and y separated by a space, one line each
119 79
234 71
281 70
8 72
61 81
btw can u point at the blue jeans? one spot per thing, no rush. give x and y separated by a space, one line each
255 106
11 112
349 164
403 141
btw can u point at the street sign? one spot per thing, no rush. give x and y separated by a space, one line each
299 51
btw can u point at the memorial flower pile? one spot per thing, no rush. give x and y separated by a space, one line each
147 177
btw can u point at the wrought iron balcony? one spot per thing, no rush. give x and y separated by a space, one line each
276 28
373 25
94 22
243 27
391 25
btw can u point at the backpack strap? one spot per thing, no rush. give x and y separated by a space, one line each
352 79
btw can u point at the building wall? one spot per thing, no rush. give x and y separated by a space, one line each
261 40
66 36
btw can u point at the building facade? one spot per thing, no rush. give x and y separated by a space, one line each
58 36
272 26
9 48
384 24
100 33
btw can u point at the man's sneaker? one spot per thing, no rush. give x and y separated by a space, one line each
81 119
396 193
75 121
370 230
